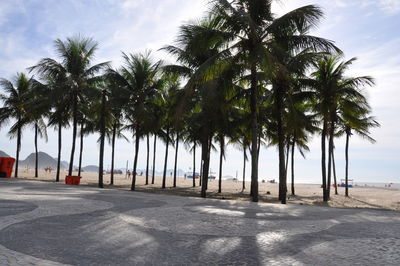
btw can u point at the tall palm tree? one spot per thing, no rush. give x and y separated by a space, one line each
37 108
192 136
58 117
354 117
333 90
257 40
156 118
176 156
177 95
86 127
15 107
102 128
170 92
138 76
301 123
75 72
197 47
117 100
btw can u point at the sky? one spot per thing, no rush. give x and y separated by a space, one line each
366 29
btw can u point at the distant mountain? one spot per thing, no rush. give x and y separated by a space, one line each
64 164
44 160
3 154
91 169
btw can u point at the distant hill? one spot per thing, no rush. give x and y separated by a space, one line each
91 169
3 154
64 164
44 160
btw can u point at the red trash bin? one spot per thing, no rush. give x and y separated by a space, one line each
6 166
73 180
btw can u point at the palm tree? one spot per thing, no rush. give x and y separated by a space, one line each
300 123
171 90
58 117
75 72
257 40
59 120
102 124
333 90
353 116
242 141
361 128
157 119
117 101
178 94
86 127
191 135
167 140
15 107
176 157
197 47
227 116
37 108
139 77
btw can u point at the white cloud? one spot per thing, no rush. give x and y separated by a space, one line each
391 7
340 3
130 4
7 7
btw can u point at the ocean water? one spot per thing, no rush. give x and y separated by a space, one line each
369 184
358 183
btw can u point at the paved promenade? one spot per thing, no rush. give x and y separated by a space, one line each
55 224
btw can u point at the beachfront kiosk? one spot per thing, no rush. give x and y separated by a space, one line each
343 183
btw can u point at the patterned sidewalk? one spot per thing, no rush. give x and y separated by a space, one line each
54 224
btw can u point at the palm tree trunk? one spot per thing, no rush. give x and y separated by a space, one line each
347 163
208 158
244 168
165 160
330 150
323 160
80 151
206 163
102 137
147 159
113 152
201 168
154 158
194 165
133 186
18 150
59 152
292 172
101 158
176 157
74 128
254 134
287 156
334 171
281 143
221 157
36 151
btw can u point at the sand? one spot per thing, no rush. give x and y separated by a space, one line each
306 194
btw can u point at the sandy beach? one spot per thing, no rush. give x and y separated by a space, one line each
307 194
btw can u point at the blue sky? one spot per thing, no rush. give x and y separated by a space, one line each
367 29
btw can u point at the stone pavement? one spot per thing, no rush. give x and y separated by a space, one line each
54 224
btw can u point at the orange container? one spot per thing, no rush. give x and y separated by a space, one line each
73 180
6 166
